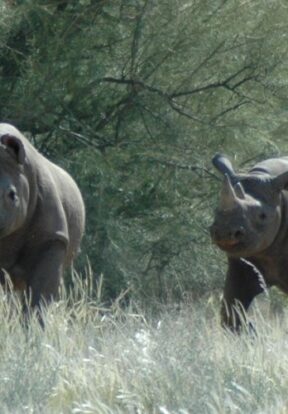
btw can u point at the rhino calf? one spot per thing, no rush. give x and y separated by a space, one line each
251 227
41 218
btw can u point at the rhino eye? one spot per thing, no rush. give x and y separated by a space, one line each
12 195
263 216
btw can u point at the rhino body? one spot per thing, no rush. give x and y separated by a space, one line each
251 226
42 218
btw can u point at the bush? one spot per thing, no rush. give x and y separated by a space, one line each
133 98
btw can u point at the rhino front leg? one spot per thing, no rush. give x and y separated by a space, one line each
241 286
44 282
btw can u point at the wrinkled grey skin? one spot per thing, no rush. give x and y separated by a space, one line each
251 223
41 218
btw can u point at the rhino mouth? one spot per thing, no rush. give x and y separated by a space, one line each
227 244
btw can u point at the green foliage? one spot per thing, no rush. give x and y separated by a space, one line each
133 98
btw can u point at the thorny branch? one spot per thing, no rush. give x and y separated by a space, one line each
188 167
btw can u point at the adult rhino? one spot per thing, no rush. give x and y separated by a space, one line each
251 226
41 218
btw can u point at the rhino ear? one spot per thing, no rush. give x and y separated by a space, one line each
280 182
222 164
14 146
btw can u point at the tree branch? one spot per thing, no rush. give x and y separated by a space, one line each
188 167
219 84
230 109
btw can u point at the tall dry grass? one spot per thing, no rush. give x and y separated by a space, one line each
93 360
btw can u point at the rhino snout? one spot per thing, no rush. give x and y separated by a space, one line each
239 233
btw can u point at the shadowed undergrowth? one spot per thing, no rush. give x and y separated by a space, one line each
92 360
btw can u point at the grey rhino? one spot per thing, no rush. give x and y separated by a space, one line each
42 218
251 227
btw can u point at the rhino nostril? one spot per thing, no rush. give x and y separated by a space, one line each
239 233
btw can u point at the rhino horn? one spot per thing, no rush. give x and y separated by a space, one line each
228 197
239 191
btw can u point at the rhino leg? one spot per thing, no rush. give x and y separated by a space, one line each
43 285
241 286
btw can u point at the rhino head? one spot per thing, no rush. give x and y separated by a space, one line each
14 187
249 212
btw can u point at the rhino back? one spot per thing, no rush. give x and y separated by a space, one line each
63 189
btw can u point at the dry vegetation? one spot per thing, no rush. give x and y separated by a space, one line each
91 360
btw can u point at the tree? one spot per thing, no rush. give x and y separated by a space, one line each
134 97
